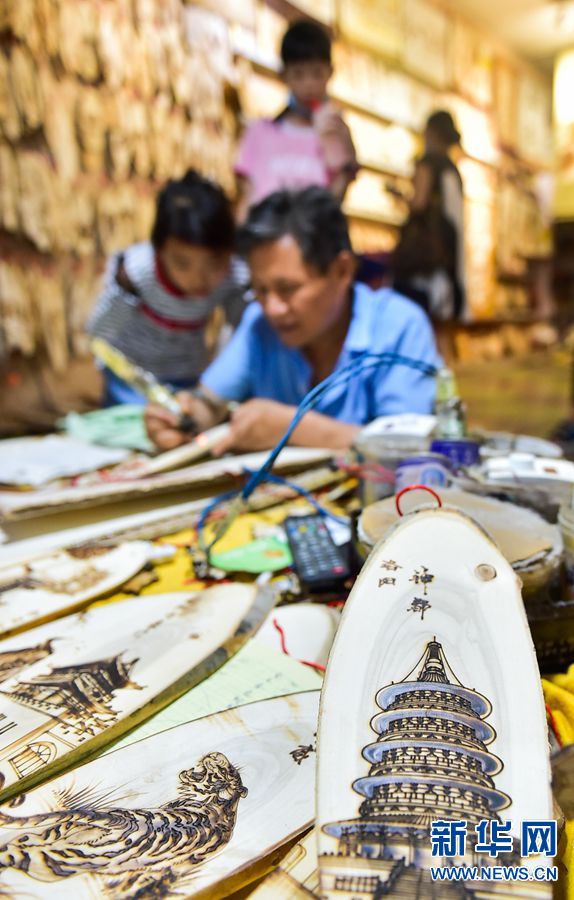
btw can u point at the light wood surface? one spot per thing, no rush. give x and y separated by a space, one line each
431 707
70 687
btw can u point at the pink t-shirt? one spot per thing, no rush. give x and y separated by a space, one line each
276 155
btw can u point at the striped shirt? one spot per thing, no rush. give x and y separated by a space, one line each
156 329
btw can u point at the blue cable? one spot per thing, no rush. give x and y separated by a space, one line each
341 376
361 362
303 492
206 512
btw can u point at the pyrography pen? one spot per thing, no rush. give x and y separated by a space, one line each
143 381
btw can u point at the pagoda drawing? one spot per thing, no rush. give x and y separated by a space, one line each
430 762
13 661
78 695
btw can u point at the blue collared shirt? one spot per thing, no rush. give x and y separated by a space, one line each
256 363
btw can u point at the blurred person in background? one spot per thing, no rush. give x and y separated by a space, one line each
311 318
308 143
160 296
428 262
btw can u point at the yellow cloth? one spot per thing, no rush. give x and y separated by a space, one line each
559 696
177 573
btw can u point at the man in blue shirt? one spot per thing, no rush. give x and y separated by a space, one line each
310 320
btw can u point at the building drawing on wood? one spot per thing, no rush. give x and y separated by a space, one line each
430 762
13 661
78 695
77 703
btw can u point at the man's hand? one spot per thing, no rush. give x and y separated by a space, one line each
260 424
162 425
256 425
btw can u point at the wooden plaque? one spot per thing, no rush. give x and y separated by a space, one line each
18 505
322 10
307 631
472 64
297 878
431 710
72 686
505 102
180 814
62 582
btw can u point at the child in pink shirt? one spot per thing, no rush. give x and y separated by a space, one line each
308 143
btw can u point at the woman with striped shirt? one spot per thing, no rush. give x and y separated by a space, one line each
160 296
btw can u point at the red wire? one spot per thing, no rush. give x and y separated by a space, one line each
286 652
415 487
552 722
281 637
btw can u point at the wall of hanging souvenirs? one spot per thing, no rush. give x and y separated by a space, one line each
103 101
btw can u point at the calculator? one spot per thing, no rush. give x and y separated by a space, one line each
320 564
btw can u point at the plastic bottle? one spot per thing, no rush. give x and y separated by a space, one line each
449 408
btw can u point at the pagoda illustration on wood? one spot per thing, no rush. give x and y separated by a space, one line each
432 723
77 700
77 695
13 661
430 761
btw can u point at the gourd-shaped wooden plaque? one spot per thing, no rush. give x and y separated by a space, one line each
180 814
431 710
72 686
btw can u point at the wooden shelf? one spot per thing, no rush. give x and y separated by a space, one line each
381 170
263 67
482 324
520 279
373 112
372 219
292 11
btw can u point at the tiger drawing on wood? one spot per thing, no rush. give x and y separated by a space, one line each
114 841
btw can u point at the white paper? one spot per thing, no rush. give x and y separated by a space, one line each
37 461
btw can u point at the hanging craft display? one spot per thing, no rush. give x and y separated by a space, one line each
125 95
432 712
472 61
19 323
62 582
8 194
181 813
71 686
